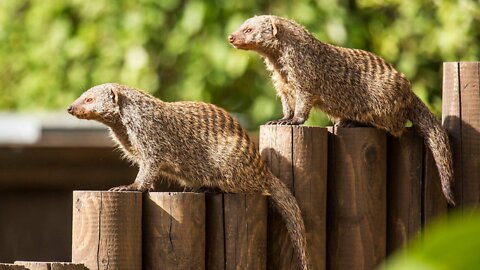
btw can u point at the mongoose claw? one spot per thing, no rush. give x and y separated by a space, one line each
132 187
286 122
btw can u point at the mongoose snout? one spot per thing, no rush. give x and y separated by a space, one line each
101 104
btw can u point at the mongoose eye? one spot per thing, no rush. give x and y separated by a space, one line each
89 100
248 30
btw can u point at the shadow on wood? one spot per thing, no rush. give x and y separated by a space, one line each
297 155
174 230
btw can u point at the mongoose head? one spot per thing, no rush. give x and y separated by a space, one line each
98 103
257 34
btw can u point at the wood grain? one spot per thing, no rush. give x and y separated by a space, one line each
107 229
245 231
215 232
298 156
174 230
237 227
356 198
9 266
276 150
404 188
461 116
50 265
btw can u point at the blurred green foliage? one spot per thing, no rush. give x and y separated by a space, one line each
51 51
451 243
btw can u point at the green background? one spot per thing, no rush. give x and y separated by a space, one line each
52 51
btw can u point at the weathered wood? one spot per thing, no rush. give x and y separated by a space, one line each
461 117
35 224
174 230
245 231
404 188
65 168
50 265
297 155
356 198
107 229
434 202
215 232
237 225
9 266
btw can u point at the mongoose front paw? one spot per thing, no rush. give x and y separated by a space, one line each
132 187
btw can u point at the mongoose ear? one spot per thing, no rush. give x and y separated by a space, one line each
114 95
274 28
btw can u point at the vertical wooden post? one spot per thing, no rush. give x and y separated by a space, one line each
356 198
404 188
174 230
297 155
461 117
215 236
50 265
107 229
236 231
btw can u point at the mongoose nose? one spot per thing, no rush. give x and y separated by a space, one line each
231 38
70 109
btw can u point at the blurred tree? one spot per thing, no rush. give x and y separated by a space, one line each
51 51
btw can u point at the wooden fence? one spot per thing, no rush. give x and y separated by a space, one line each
363 194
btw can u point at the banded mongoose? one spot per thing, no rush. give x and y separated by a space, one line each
194 144
353 87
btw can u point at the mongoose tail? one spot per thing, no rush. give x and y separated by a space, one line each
436 139
284 202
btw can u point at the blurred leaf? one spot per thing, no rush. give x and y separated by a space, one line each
449 244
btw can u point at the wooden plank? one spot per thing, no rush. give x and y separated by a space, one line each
356 198
236 231
434 202
245 230
461 117
452 121
65 178
404 188
298 156
10 266
174 230
276 150
50 265
215 232
35 225
470 132
106 230
108 156
310 146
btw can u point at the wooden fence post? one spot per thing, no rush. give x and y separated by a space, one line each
107 229
50 265
461 117
236 231
356 198
174 230
297 155
404 188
